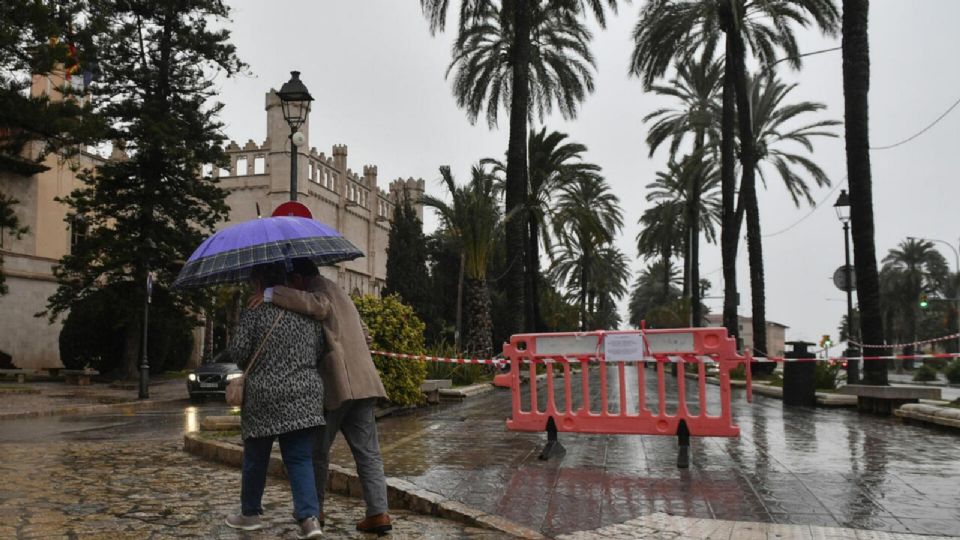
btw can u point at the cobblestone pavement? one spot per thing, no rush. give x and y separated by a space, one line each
106 478
823 467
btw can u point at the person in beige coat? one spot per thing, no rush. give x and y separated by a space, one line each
351 386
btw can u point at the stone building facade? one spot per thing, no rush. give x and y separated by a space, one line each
28 261
258 177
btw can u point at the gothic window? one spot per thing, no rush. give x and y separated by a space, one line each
242 166
259 165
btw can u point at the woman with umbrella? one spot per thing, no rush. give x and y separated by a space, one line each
279 351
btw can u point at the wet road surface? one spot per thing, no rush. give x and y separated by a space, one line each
824 467
124 476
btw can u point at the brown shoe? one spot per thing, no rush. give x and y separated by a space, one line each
378 524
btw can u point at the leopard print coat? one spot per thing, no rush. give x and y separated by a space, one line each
283 391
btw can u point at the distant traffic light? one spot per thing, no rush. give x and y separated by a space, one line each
825 341
923 301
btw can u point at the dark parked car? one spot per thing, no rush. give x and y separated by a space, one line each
211 378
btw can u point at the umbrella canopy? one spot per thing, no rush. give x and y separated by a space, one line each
229 255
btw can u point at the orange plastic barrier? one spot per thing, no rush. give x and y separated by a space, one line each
689 347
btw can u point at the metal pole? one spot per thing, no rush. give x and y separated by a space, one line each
853 371
144 364
293 167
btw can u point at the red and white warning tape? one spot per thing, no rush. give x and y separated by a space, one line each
490 361
673 359
901 345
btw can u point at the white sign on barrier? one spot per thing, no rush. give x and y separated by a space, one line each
623 347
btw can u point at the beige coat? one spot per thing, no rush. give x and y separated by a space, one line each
347 369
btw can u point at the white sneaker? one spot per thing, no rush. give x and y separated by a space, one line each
310 528
244 523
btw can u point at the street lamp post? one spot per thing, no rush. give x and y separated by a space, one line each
956 255
295 101
842 206
144 363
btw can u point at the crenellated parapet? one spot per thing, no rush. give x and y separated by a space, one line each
248 160
411 189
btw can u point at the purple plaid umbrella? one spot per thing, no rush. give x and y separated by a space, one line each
230 254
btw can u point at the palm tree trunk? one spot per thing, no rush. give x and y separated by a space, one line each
686 254
583 292
856 87
730 229
533 276
748 189
479 343
693 208
516 191
458 337
665 255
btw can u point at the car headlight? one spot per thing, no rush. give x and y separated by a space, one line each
232 376
192 377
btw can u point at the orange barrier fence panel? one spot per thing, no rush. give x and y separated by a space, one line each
688 349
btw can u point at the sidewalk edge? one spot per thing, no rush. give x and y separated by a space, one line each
343 481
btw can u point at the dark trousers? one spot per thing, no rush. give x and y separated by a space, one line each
356 421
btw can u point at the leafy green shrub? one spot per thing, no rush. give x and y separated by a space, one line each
825 375
460 374
395 327
925 373
94 332
952 372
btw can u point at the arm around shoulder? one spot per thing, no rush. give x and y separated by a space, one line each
314 305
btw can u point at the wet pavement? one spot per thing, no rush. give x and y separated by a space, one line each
824 467
124 476
42 398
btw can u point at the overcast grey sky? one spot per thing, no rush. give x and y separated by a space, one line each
378 78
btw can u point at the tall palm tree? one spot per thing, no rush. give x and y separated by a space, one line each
661 233
554 161
695 86
856 88
914 267
671 29
473 218
587 218
649 291
778 143
611 273
695 182
523 57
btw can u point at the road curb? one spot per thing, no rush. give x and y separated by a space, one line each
93 409
344 481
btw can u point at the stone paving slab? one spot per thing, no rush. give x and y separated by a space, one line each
660 525
152 490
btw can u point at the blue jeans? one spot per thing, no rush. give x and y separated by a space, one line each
296 448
